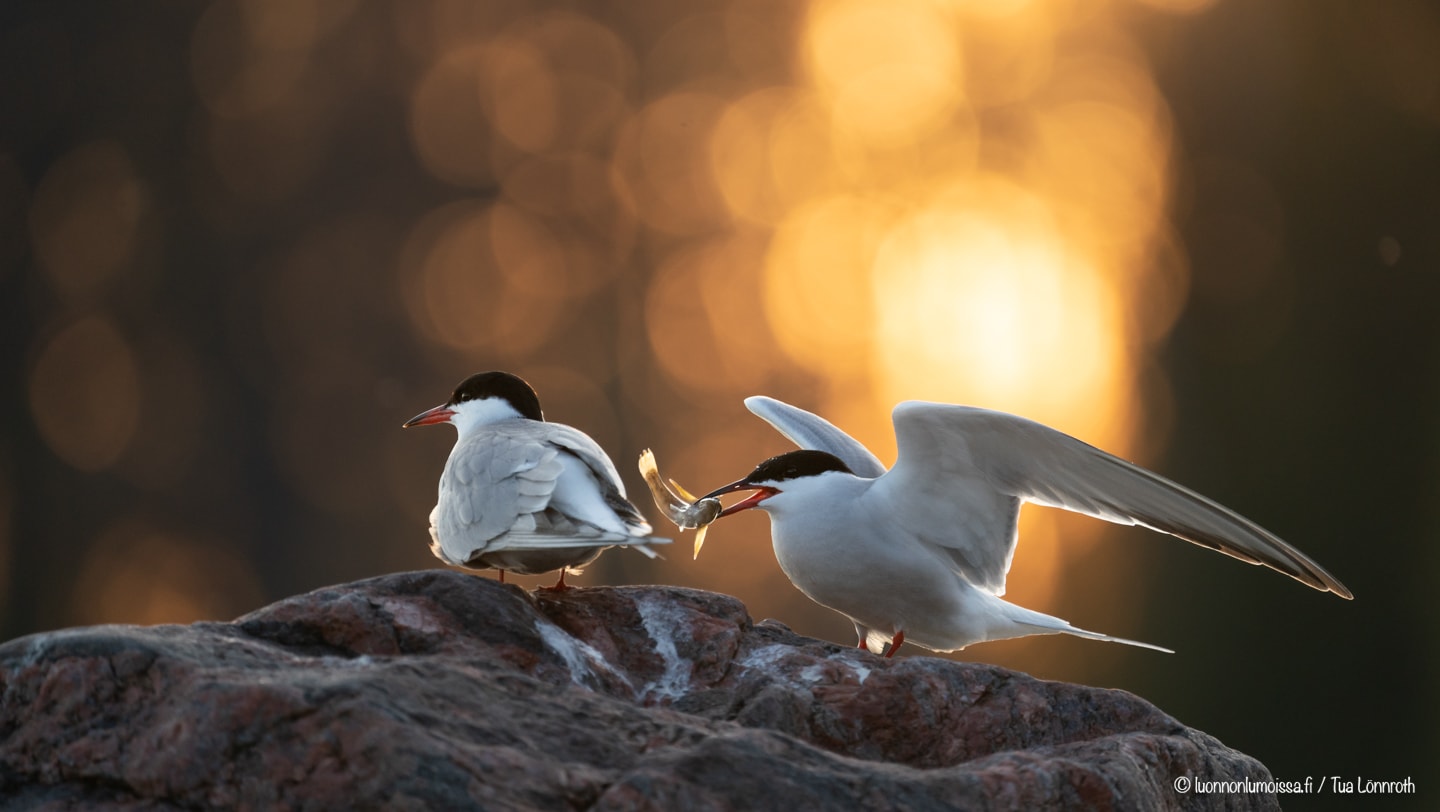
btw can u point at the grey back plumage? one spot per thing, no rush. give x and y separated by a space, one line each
499 492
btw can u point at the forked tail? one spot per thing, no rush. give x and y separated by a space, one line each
1045 624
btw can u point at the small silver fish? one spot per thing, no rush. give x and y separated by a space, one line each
678 504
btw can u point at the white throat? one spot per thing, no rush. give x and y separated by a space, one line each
473 414
829 493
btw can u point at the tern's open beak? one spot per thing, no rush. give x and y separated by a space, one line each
439 414
761 494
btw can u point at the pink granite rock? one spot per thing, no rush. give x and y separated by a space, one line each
438 690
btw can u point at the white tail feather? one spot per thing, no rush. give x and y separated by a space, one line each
1045 624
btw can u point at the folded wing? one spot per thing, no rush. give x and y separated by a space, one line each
502 490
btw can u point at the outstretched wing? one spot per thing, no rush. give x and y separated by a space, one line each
961 466
815 433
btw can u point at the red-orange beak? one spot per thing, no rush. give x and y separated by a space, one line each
439 414
760 495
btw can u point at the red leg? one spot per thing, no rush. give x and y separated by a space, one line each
863 646
560 585
896 643
502 575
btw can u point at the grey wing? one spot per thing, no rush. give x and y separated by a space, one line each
492 485
589 452
815 433
1009 458
496 494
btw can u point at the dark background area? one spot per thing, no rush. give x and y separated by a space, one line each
215 320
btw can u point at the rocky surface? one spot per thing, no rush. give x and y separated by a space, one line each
439 690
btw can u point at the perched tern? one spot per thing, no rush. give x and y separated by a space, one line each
920 552
522 495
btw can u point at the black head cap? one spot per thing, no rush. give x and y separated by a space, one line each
796 464
500 385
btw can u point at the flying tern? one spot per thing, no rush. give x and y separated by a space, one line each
920 552
520 494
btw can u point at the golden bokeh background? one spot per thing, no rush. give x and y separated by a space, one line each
243 240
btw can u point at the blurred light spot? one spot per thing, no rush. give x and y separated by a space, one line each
1159 283
760 36
292 25
1106 165
691 53
891 71
1009 50
85 218
459 297
769 153
134 573
451 130
1180 6
575 187
236 75
700 313
662 164
987 10
557 82
524 94
578 46
85 394
532 257
1390 251
441 26
817 283
995 312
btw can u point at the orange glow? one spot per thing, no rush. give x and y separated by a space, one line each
524 96
890 71
234 59
650 210
85 394
769 153
702 321
992 312
555 82
448 126
919 251
844 204
662 166
86 217
1180 6
134 573
817 279
461 295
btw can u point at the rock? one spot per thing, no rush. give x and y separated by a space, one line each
439 690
